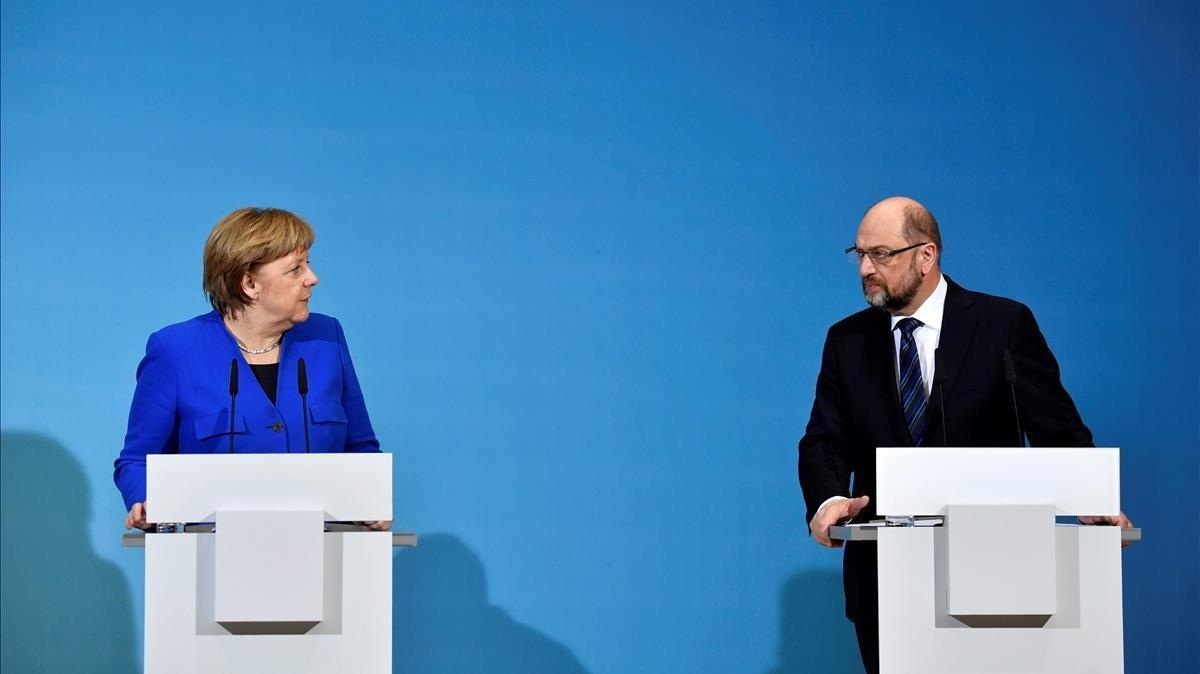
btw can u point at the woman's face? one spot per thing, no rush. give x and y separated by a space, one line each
282 287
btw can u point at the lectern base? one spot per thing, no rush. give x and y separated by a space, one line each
183 637
917 635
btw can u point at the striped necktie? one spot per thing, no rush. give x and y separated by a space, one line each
912 389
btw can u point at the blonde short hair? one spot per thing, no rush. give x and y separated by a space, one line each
243 239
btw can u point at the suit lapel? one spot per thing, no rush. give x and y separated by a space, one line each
882 348
958 329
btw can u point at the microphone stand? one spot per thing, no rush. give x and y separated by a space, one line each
939 380
302 384
233 391
1010 374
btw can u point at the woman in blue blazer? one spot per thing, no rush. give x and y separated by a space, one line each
257 277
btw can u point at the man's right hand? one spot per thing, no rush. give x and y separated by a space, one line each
833 512
137 517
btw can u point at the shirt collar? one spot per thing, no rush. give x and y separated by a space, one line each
931 310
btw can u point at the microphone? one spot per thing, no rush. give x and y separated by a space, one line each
233 391
1010 375
302 383
939 380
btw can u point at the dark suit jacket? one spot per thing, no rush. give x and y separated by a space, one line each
857 406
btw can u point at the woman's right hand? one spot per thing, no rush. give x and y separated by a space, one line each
137 517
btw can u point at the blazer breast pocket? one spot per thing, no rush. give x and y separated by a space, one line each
213 430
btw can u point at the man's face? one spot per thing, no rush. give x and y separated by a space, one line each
893 284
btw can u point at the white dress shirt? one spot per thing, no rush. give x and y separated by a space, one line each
926 337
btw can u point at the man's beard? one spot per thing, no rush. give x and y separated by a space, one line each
891 302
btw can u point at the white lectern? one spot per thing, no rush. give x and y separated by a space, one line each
269 586
998 586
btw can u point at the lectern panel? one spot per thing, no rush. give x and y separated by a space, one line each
924 480
193 487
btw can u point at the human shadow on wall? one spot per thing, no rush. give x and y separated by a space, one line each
814 634
442 622
64 609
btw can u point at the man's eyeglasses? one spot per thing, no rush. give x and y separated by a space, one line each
879 256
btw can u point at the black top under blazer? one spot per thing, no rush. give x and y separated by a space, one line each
857 407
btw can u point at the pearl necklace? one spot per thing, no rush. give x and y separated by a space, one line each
259 352
252 352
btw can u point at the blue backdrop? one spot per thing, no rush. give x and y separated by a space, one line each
585 258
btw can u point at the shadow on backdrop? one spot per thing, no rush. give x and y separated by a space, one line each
814 634
442 622
63 609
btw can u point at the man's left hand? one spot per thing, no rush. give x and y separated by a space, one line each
1118 520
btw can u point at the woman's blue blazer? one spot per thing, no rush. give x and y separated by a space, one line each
181 403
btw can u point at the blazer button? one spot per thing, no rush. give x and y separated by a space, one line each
277 426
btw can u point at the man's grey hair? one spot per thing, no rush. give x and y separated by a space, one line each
920 226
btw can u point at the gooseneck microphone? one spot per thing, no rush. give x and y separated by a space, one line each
1010 375
302 383
939 380
233 391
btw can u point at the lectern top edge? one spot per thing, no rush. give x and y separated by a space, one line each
925 480
192 487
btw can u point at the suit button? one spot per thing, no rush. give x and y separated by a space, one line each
277 426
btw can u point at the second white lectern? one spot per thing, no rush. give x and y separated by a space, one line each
267 588
997 586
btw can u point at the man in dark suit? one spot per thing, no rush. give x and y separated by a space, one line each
875 388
